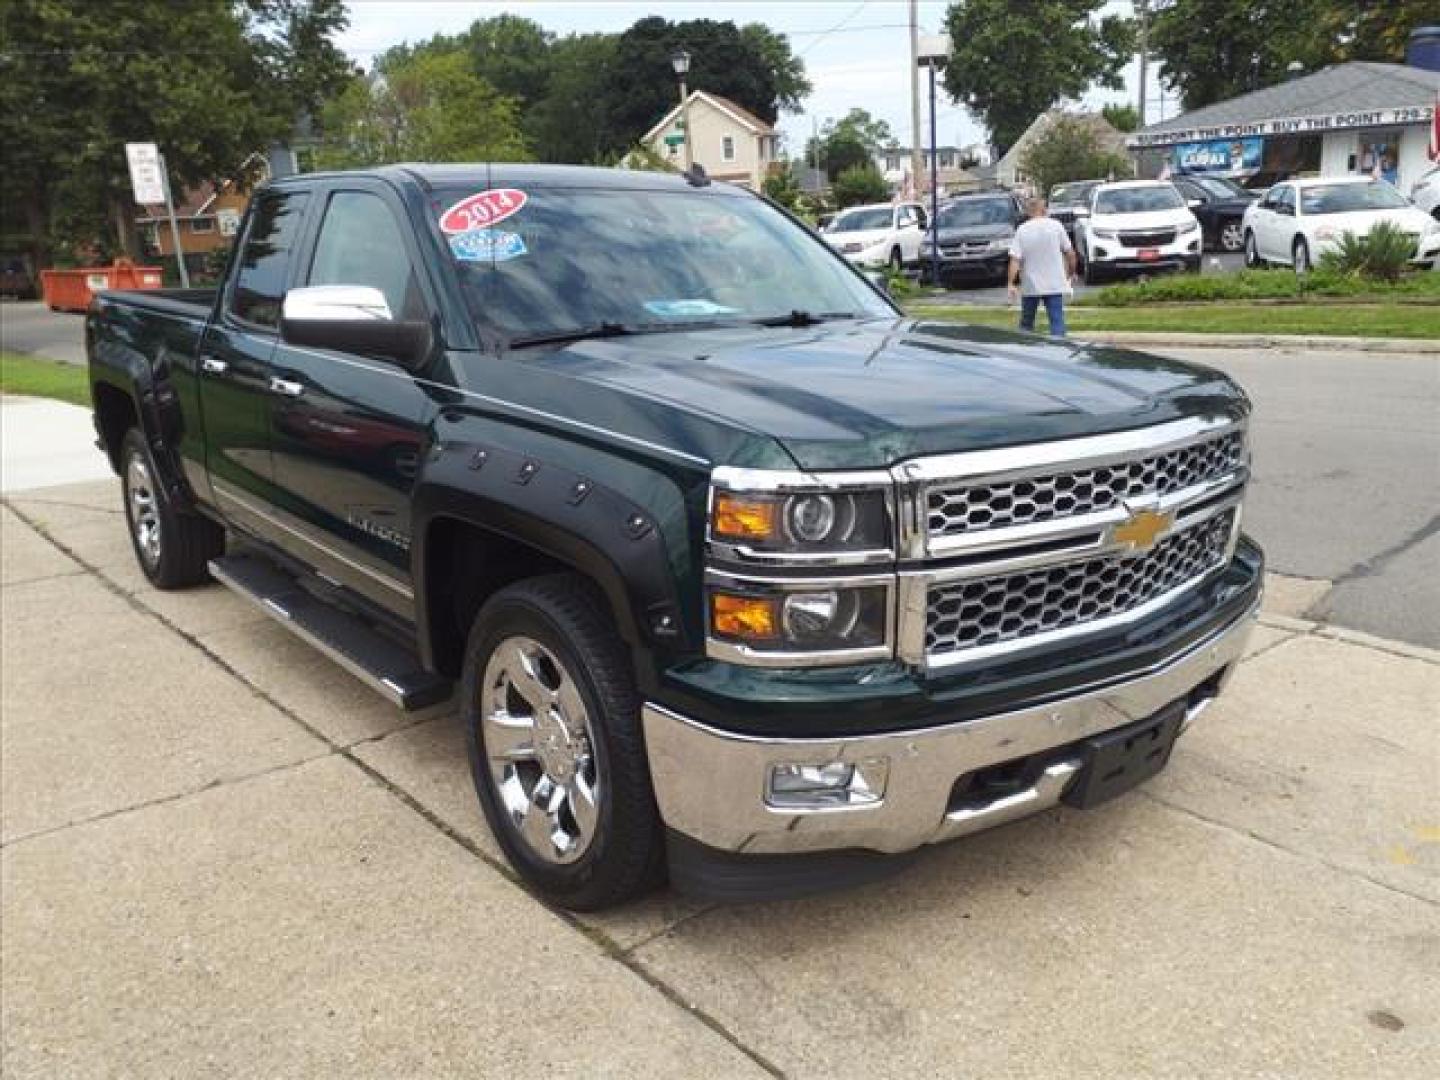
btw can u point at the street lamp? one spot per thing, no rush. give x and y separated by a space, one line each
680 61
933 48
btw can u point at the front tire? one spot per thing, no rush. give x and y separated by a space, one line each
1232 238
552 722
897 261
174 549
1300 256
1252 252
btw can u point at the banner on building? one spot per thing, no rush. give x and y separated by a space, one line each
1219 157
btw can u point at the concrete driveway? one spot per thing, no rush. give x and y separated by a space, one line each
222 856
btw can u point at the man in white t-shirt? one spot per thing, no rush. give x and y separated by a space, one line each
1042 266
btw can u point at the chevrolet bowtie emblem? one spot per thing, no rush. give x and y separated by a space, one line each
1142 529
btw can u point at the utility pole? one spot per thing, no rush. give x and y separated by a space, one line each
1142 9
916 161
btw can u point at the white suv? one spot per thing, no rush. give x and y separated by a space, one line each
1137 225
882 234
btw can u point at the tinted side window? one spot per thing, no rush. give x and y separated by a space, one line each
360 243
261 270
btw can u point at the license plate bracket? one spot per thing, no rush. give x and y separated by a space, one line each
1121 759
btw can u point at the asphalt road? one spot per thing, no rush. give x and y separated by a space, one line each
28 326
1347 471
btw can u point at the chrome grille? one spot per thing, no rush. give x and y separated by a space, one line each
956 508
972 613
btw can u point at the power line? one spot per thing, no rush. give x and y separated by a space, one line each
826 33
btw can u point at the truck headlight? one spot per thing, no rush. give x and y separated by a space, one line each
851 525
798 621
1103 234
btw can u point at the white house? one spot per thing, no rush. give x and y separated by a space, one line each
729 141
1008 171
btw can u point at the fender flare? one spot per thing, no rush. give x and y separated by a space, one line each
563 515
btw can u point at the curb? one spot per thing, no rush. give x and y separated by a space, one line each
1428 346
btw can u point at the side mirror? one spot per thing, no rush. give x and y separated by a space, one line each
878 281
353 319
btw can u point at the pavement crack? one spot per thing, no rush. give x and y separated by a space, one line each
1289 637
1319 610
1307 856
601 940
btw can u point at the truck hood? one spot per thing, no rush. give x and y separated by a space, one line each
850 395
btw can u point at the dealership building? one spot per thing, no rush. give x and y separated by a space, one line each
1355 119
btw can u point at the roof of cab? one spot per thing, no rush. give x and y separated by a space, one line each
481 176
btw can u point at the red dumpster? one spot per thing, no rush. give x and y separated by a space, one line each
72 290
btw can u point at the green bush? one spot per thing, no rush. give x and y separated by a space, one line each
1382 255
1264 285
859 185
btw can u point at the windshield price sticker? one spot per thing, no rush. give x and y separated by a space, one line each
481 210
487 245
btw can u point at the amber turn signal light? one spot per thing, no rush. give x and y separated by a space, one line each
744 618
739 518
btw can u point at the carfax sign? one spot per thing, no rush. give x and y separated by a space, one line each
1219 157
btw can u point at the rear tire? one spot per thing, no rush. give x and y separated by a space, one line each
1300 256
552 724
173 548
1252 252
897 261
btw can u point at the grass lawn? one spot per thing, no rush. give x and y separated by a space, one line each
38 377
1346 320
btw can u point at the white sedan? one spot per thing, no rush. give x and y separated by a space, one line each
1298 221
883 234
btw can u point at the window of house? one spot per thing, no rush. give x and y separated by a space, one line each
727 148
360 243
264 263
202 225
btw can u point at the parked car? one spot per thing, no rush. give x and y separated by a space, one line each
974 233
1137 225
880 235
1426 193
16 280
1219 205
731 567
1298 221
1071 201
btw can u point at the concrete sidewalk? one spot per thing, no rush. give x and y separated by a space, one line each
222 856
44 443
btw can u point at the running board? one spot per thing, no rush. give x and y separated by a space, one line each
382 663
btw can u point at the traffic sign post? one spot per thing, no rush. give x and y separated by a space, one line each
150 184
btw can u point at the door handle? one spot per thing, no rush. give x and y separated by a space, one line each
213 365
286 387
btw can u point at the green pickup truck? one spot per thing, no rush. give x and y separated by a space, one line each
735 572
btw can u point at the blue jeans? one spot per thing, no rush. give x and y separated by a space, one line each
1054 313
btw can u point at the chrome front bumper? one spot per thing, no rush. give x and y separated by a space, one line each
711 785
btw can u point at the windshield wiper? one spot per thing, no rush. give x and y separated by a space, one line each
802 318
579 333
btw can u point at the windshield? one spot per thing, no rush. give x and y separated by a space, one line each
567 260
1220 188
970 212
1343 198
1138 200
1072 193
860 220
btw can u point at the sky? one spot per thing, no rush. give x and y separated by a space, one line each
856 52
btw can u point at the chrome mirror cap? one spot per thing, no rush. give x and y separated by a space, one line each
331 303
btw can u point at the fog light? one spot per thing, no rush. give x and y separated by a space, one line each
831 785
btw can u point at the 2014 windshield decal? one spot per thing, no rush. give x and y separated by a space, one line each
481 210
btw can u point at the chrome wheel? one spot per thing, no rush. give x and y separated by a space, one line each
1231 238
144 510
1302 257
540 749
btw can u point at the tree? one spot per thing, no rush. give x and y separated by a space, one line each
1121 117
754 69
430 106
209 81
860 184
782 187
1013 59
1211 50
1070 149
848 143
572 122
